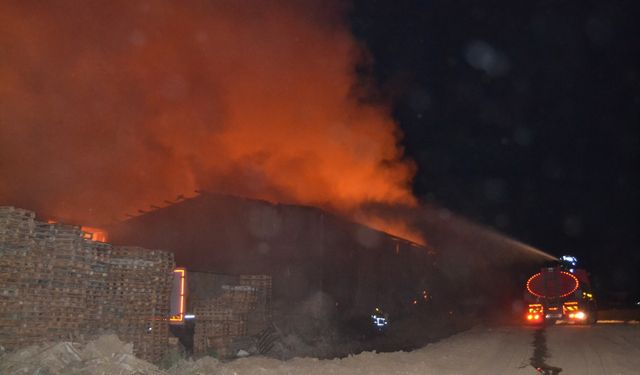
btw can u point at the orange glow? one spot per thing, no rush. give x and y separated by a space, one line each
535 311
394 227
96 234
258 101
535 308
180 316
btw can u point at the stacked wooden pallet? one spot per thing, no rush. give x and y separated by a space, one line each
16 231
221 319
224 318
138 287
259 318
48 271
96 294
56 284
60 251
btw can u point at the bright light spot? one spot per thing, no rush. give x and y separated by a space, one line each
189 316
178 292
379 321
580 315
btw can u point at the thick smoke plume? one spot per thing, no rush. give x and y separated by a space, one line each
107 107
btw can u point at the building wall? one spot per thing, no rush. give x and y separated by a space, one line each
306 250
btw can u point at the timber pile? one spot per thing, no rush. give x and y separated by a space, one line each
260 317
223 319
55 284
138 289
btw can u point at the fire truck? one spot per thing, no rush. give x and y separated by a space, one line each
560 292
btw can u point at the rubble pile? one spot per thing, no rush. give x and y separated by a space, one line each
105 355
239 311
58 284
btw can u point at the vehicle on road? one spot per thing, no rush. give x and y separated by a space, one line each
560 292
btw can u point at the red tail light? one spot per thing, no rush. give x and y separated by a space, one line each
535 313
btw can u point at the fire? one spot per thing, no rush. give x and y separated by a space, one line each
96 234
90 233
110 107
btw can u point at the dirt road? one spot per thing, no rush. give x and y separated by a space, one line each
601 349
558 349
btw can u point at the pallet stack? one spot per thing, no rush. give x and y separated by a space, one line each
59 274
57 284
138 289
48 271
260 317
221 320
16 232
212 334
97 301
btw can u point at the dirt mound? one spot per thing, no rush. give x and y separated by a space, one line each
105 355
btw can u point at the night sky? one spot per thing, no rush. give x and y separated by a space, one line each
521 115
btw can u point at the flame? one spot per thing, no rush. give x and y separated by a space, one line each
110 107
96 234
